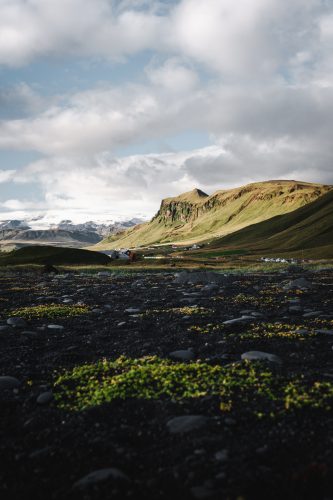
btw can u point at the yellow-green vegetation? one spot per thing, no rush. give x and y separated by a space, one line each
252 385
319 395
152 378
276 331
307 229
50 311
209 328
186 311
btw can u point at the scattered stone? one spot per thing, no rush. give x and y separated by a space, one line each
16 322
3 328
298 284
222 455
45 398
323 331
186 423
260 356
99 476
235 321
7 382
132 310
55 327
182 355
103 274
312 314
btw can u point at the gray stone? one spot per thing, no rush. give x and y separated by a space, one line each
99 476
300 283
16 322
182 355
4 328
186 423
7 382
312 314
201 277
45 398
132 310
323 331
235 321
260 356
55 327
222 455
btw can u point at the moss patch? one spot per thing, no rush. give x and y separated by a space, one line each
252 385
49 311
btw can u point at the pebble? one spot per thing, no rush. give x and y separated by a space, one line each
235 321
312 314
222 455
186 423
55 327
16 322
261 356
99 476
132 310
182 355
322 331
300 283
45 398
7 382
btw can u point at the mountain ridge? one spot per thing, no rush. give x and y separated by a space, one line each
190 217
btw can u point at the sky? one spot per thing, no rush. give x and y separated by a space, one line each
107 106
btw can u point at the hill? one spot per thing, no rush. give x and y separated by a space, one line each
195 216
53 255
309 227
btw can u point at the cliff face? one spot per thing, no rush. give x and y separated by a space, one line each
195 216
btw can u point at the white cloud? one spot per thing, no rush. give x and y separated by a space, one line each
256 75
7 175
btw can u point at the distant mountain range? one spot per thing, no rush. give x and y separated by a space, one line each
195 216
18 233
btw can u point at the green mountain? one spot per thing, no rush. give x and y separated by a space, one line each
195 216
309 227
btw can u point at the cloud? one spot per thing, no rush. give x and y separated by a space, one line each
254 75
7 175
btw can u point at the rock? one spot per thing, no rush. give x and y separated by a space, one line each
260 356
295 309
300 283
16 322
222 455
7 382
3 328
202 277
323 331
186 423
312 314
235 321
103 274
132 310
99 476
55 327
182 355
45 398
67 301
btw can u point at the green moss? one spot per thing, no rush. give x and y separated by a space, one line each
152 378
49 311
252 386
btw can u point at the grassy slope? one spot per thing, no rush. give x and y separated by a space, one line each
308 227
52 255
230 211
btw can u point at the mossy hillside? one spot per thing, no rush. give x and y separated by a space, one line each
49 311
254 386
45 254
193 219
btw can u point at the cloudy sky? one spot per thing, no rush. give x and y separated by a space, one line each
106 106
